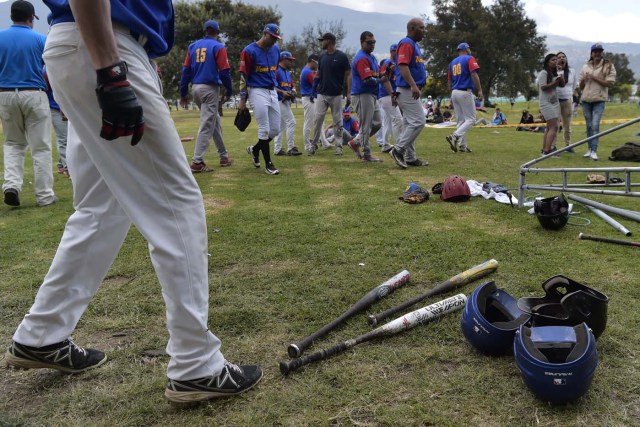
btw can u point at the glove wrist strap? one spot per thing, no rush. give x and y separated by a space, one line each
113 73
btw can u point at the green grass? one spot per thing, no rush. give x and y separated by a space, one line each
285 259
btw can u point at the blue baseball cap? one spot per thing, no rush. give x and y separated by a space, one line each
393 47
285 54
463 46
273 30
597 46
212 24
346 110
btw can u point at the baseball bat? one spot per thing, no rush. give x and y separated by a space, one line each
380 291
604 239
407 321
454 282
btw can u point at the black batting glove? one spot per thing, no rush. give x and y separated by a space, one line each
121 111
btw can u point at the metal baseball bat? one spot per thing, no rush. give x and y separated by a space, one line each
407 321
604 239
380 291
454 282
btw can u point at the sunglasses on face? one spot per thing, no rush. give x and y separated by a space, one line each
370 42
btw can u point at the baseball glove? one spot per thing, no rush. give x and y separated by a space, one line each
596 179
242 120
414 194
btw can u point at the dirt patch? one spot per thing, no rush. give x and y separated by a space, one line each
212 204
316 171
116 281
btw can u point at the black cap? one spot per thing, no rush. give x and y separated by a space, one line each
313 57
22 10
327 36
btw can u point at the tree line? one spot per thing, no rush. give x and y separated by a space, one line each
503 39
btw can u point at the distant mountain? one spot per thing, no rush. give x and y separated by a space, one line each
388 28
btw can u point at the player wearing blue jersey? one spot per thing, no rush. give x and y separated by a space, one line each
391 116
206 66
410 78
306 91
24 107
365 81
286 95
463 79
135 172
258 66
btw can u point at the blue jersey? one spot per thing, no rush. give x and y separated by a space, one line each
151 19
21 58
392 78
409 54
260 66
351 125
363 67
285 83
204 63
306 81
460 70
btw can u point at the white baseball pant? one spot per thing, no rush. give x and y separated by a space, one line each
465 109
266 110
287 124
115 185
207 98
26 122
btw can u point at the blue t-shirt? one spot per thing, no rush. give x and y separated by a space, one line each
332 68
153 19
283 77
260 66
460 70
408 53
382 92
364 66
306 81
21 58
205 63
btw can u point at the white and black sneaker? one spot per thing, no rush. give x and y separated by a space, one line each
453 142
64 356
231 381
398 158
254 157
270 169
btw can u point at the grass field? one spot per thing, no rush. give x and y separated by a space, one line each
291 252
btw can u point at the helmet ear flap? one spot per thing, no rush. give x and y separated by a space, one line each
490 319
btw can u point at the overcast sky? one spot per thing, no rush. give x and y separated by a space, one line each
584 20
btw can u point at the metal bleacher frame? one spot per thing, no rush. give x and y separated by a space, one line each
621 189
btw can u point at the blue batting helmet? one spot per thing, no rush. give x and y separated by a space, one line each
490 319
557 363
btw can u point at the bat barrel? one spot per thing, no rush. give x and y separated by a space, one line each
606 240
380 291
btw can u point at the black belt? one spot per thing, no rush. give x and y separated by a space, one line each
263 87
19 89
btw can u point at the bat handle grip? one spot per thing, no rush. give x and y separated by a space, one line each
295 364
